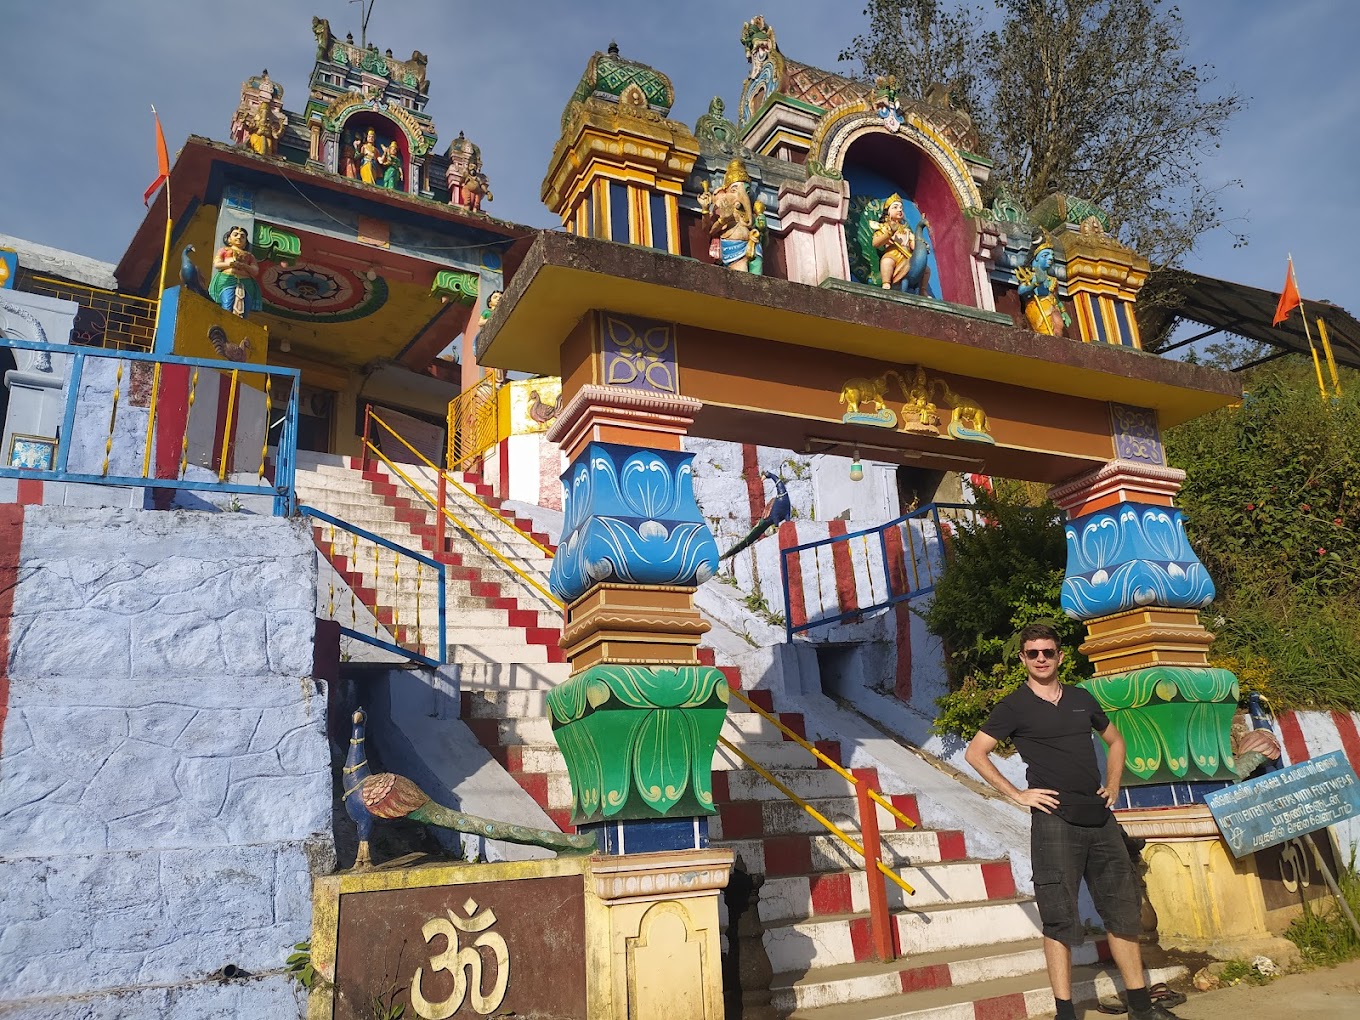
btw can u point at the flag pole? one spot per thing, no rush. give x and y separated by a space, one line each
1317 363
1331 358
165 252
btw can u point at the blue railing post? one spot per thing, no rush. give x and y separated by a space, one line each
788 607
68 414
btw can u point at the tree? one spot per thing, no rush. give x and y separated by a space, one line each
1094 98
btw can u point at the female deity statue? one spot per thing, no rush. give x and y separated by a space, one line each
1039 292
233 285
736 239
368 158
391 162
900 259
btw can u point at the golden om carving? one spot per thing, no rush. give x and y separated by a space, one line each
464 964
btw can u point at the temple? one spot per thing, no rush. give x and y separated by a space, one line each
549 593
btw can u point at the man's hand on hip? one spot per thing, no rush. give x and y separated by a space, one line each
1044 800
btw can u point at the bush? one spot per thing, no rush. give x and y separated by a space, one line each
1004 573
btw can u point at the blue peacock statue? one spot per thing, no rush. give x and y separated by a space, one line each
779 511
370 796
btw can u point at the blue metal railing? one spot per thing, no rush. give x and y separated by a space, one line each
97 437
353 576
901 572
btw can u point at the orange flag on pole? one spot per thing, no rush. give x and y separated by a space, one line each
162 160
1289 297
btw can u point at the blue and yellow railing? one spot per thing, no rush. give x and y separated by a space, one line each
135 424
340 542
899 560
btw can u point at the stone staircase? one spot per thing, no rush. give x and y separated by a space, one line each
968 946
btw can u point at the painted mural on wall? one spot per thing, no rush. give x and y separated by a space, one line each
321 292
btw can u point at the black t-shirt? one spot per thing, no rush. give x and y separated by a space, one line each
1055 743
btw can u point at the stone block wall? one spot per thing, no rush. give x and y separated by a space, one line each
165 785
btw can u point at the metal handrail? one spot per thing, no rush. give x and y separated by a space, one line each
529 578
459 486
281 488
440 571
849 777
827 823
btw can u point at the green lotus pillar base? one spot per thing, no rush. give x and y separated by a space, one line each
639 740
1176 721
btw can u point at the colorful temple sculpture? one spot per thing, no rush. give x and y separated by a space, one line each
520 455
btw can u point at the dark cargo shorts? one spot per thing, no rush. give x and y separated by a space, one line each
1063 854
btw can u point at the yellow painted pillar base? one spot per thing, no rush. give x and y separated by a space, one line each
655 948
1206 900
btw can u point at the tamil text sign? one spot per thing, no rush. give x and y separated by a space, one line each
1285 804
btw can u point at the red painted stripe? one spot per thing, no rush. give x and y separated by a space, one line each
172 416
11 538
1350 738
1001 1007
830 894
788 537
898 581
845 570
902 681
755 485
30 491
998 880
862 939
786 855
741 819
1295 747
951 844
923 979
503 468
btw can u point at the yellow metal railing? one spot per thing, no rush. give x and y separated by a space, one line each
472 423
458 522
826 822
119 321
844 773
448 478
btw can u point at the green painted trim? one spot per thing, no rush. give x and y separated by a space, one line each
456 285
273 242
1176 721
639 740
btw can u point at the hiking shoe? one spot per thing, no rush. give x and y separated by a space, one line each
1154 1012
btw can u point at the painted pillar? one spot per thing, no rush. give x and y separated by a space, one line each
638 719
1137 584
811 216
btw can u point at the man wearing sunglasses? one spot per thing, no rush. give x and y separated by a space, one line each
1073 833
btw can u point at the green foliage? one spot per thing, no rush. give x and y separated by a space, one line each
1005 572
1236 972
299 967
1272 505
755 601
1326 938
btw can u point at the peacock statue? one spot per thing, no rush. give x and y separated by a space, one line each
779 511
369 797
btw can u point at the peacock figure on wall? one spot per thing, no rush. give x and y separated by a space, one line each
371 796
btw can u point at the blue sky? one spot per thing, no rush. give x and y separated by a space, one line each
82 75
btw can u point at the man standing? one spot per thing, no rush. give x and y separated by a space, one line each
1073 832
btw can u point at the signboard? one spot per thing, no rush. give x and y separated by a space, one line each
1286 804
508 947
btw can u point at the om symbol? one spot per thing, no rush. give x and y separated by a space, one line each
464 964
1294 872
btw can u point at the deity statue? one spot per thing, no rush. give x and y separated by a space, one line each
1039 291
759 232
264 129
233 285
390 158
886 105
468 185
903 263
736 239
368 153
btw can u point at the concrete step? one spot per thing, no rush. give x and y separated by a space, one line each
745 819
796 897
1016 997
801 855
498 653
784 755
809 782
861 982
801 945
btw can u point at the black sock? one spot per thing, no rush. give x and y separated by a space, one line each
1139 999
1066 1011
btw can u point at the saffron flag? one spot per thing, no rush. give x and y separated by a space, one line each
1289 297
162 160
